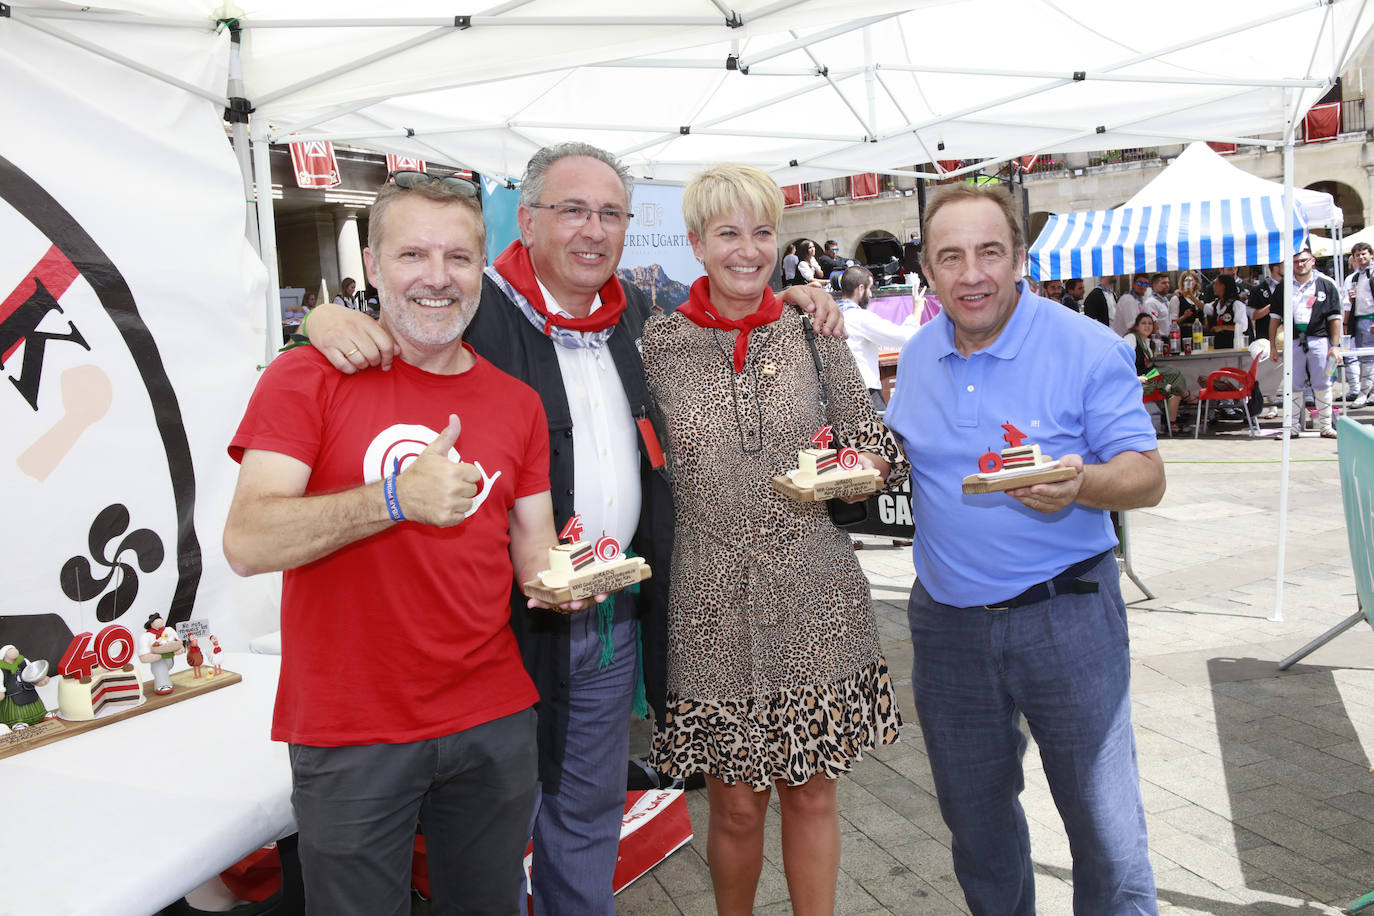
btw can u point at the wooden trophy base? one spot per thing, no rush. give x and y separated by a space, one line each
185 686
838 485
601 579
976 483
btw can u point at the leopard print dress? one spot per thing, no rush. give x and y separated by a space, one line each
774 667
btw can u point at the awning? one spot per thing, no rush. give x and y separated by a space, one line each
1194 235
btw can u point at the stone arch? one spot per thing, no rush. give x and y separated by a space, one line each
1038 219
875 234
1347 198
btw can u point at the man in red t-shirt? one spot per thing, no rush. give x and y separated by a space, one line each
400 505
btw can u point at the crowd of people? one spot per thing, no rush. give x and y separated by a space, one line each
489 410
1238 308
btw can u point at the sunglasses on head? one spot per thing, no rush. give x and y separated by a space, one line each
409 178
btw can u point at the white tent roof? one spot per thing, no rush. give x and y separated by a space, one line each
1200 173
1324 247
818 88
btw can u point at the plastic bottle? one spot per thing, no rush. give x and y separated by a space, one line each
1197 336
1175 338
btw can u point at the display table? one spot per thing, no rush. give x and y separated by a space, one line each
1203 363
78 838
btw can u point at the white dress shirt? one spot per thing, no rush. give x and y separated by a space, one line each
1364 296
605 450
868 334
1127 307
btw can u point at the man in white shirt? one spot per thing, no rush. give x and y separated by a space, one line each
1316 330
1131 305
1156 301
1359 371
869 333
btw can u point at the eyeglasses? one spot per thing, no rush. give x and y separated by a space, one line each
409 178
575 216
1142 283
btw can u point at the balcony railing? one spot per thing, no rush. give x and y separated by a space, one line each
1130 154
1352 116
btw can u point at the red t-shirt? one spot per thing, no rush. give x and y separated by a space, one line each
404 635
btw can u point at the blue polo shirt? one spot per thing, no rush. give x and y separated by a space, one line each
1064 380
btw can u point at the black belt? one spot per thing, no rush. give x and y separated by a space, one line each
1070 581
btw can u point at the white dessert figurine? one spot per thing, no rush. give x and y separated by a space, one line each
1017 465
101 693
1013 461
584 568
824 473
158 647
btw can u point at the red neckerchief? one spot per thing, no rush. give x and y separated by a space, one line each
514 264
699 309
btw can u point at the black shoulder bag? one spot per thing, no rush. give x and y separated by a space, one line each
842 513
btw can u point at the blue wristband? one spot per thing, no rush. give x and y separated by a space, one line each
393 505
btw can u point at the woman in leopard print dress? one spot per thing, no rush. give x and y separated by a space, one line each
775 677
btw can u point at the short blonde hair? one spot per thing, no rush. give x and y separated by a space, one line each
726 187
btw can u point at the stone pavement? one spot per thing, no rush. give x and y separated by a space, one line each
1257 784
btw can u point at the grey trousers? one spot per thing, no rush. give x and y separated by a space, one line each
357 807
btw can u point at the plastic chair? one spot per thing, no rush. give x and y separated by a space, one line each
1157 397
1246 385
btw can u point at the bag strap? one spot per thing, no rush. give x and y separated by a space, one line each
810 334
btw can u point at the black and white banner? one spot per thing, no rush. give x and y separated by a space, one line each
128 299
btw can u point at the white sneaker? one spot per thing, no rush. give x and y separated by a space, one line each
1359 402
1269 413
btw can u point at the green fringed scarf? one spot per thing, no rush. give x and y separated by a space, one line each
605 616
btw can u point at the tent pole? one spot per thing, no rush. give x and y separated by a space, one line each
237 116
870 80
267 234
1286 247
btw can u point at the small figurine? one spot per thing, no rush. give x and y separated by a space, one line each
158 648
215 659
195 658
20 705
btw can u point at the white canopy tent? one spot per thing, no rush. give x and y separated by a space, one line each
1200 212
1324 247
806 88
1201 173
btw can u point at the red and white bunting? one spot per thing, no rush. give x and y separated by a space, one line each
315 165
791 196
395 163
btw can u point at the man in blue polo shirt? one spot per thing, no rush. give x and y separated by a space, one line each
1016 608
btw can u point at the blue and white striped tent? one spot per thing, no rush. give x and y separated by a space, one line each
1194 235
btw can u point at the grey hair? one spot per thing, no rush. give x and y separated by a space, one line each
532 185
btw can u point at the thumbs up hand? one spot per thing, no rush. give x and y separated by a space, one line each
435 490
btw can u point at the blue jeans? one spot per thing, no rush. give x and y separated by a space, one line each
577 830
1063 663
